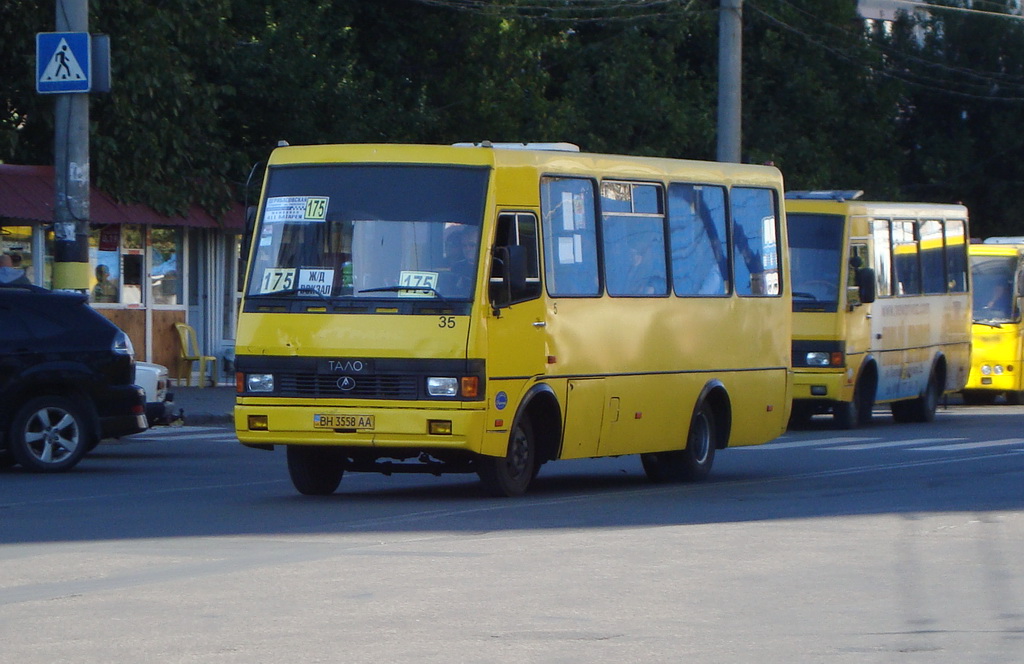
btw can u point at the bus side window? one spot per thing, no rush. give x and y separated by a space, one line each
755 243
570 237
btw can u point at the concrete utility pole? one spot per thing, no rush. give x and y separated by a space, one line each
71 167
730 68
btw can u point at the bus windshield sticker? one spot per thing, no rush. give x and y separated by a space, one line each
568 222
420 284
320 280
296 209
277 279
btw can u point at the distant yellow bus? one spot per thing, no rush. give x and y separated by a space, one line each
907 347
997 356
486 309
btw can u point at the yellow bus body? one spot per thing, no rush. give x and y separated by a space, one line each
596 375
997 343
904 348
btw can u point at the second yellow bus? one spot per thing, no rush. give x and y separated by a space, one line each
906 348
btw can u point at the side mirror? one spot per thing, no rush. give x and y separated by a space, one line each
510 270
250 224
866 284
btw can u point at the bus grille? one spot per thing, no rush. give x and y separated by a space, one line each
366 387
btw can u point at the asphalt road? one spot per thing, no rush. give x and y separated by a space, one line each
889 543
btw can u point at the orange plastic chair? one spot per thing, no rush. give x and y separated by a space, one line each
190 354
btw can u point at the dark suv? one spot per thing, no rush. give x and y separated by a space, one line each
66 377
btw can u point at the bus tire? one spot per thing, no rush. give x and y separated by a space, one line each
510 475
315 471
856 412
691 464
921 409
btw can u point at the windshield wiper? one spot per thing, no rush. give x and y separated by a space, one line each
396 289
990 323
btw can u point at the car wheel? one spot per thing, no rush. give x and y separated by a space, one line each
511 474
315 471
49 434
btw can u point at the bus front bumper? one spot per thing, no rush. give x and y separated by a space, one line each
359 427
823 385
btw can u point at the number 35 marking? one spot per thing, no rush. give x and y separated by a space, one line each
446 322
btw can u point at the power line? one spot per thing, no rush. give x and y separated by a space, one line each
985 82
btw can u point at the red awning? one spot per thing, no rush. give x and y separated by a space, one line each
27 192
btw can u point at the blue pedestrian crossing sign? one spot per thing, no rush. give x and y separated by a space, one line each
62 62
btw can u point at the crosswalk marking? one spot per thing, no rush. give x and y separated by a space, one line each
902 443
973 446
816 442
862 443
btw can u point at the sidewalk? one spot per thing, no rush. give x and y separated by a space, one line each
207 405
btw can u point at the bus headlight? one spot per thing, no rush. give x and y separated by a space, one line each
986 370
438 386
817 359
997 369
259 382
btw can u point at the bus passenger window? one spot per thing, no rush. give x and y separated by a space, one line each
570 236
956 256
755 244
633 239
697 232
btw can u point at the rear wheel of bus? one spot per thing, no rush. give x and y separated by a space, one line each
921 409
315 471
511 474
692 463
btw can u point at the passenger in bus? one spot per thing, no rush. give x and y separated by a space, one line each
461 254
645 275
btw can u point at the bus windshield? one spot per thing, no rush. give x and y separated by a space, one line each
816 249
993 288
369 231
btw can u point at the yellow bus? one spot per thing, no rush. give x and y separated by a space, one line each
486 309
907 347
997 354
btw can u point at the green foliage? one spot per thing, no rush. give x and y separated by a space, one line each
927 109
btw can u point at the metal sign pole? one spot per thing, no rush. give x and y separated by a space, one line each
71 168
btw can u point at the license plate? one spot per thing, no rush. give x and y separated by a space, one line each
343 421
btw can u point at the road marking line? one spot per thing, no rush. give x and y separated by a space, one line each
817 442
972 446
900 443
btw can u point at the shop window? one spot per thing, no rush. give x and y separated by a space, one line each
165 253
105 257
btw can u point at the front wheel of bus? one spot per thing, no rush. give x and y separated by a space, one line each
511 474
693 463
315 471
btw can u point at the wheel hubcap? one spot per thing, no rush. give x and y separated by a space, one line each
52 435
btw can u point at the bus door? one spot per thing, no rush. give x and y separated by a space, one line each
516 335
858 313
